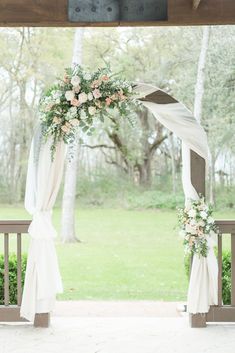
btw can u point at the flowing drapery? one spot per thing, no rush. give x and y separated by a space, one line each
203 284
42 280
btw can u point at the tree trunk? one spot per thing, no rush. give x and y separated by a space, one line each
200 83
68 233
199 88
173 167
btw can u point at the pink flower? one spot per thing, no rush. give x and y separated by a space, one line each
75 102
65 128
95 84
105 78
108 101
96 93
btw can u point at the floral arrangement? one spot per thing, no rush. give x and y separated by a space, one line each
78 99
197 226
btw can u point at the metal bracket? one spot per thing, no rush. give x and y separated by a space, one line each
117 10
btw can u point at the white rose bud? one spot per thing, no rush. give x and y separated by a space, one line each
90 96
82 97
92 110
75 80
69 95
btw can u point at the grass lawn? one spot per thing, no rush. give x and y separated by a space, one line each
124 254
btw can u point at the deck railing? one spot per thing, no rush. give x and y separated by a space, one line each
11 313
224 313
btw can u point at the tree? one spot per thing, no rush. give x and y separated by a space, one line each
68 233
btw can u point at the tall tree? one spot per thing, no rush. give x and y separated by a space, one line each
68 232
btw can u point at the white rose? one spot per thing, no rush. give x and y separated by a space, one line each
192 213
203 214
75 80
69 95
90 96
87 76
82 97
96 93
92 110
190 229
201 223
73 110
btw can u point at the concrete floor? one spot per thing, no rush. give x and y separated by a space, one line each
130 334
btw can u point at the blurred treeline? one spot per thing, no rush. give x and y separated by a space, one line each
136 166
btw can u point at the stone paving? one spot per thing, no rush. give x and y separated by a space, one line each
120 334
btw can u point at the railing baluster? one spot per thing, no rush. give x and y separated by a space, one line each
233 269
19 269
220 269
6 269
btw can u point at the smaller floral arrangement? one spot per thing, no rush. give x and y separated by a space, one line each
197 227
75 101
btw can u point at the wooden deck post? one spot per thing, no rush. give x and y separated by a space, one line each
198 176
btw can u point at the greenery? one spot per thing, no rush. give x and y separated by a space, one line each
12 277
165 57
226 275
124 254
79 99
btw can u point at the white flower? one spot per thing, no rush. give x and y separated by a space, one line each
190 229
210 220
74 122
201 223
87 76
82 97
92 110
203 214
90 96
75 80
69 95
73 111
96 93
130 89
192 213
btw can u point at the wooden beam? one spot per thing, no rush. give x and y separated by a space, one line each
196 3
45 13
198 179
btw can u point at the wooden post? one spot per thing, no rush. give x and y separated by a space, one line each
42 320
198 176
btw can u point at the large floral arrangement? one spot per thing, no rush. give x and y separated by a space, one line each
197 226
78 99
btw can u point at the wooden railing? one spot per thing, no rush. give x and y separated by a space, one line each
11 313
224 313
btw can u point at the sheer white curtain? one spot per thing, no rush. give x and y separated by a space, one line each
203 285
42 280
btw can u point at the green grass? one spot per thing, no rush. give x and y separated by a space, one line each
124 254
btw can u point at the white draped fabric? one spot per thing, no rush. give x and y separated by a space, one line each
203 286
42 280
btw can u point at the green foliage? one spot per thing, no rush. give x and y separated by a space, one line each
226 275
119 191
12 277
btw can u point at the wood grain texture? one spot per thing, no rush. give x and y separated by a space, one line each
54 13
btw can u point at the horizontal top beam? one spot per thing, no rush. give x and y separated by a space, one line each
46 13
